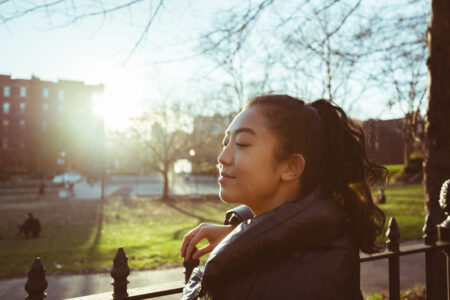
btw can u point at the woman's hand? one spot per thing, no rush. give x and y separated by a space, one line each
213 233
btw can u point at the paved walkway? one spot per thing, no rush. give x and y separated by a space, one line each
374 278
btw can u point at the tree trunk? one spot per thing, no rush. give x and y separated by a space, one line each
437 137
166 184
437 122
407 137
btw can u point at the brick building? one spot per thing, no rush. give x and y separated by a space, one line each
45 126
385 140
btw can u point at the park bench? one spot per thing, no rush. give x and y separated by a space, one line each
436 247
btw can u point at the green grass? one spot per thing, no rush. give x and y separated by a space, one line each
394 172
83 236
418 292
406 204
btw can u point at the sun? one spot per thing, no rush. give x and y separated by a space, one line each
119 103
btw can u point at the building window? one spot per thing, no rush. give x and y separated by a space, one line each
5 123
23 91
23 105
45 107
45 92
22 123
6 107
60 94
6 91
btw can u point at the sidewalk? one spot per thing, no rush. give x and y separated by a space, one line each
374 278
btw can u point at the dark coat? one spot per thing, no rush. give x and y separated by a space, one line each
300 250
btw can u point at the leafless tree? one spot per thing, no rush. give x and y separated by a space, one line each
406 76
326 60
157 139
64 13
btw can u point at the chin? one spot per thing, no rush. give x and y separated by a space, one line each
227 197
223 196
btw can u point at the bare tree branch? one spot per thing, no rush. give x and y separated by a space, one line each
144 32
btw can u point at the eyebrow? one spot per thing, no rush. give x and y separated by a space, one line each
243 129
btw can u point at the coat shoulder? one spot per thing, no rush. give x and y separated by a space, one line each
325 273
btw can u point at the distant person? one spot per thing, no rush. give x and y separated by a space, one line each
70 188
41 190
31 228
381 197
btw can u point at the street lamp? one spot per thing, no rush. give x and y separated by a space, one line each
192 154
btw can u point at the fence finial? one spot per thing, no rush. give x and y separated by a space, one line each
393 235
36 282
120 272
430 231
444 201
189 265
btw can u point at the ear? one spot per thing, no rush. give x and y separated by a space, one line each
294 168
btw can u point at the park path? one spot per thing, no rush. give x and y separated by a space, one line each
374 278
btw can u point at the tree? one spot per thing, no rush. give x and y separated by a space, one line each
437 121
207 135
157 139
399 33
63 13
326 60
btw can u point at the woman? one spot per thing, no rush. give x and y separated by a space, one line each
302 171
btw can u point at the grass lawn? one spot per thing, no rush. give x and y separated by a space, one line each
83 236
394 172
406 204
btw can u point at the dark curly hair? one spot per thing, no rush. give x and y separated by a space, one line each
334 151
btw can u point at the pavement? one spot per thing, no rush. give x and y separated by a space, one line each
145 186
69 286
374 278
142 185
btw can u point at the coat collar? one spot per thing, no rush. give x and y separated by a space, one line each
310 222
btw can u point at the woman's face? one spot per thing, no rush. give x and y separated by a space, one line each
250 174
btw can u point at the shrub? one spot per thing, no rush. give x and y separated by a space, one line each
414 294
414 164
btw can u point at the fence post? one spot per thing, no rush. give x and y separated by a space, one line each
120 272
393 235
189 265
36 282
444 228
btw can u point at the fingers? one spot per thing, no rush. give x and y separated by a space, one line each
202 251
187 238
193 242
184 244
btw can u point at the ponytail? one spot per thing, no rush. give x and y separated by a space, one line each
348 174
336 161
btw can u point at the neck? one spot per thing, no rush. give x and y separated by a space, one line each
283 195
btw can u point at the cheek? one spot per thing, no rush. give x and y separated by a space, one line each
256 179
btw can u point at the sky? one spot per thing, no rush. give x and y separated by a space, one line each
96 50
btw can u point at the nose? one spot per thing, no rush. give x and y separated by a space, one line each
225 157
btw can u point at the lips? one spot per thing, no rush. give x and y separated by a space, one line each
226 175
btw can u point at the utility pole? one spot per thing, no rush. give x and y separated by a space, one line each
103 160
